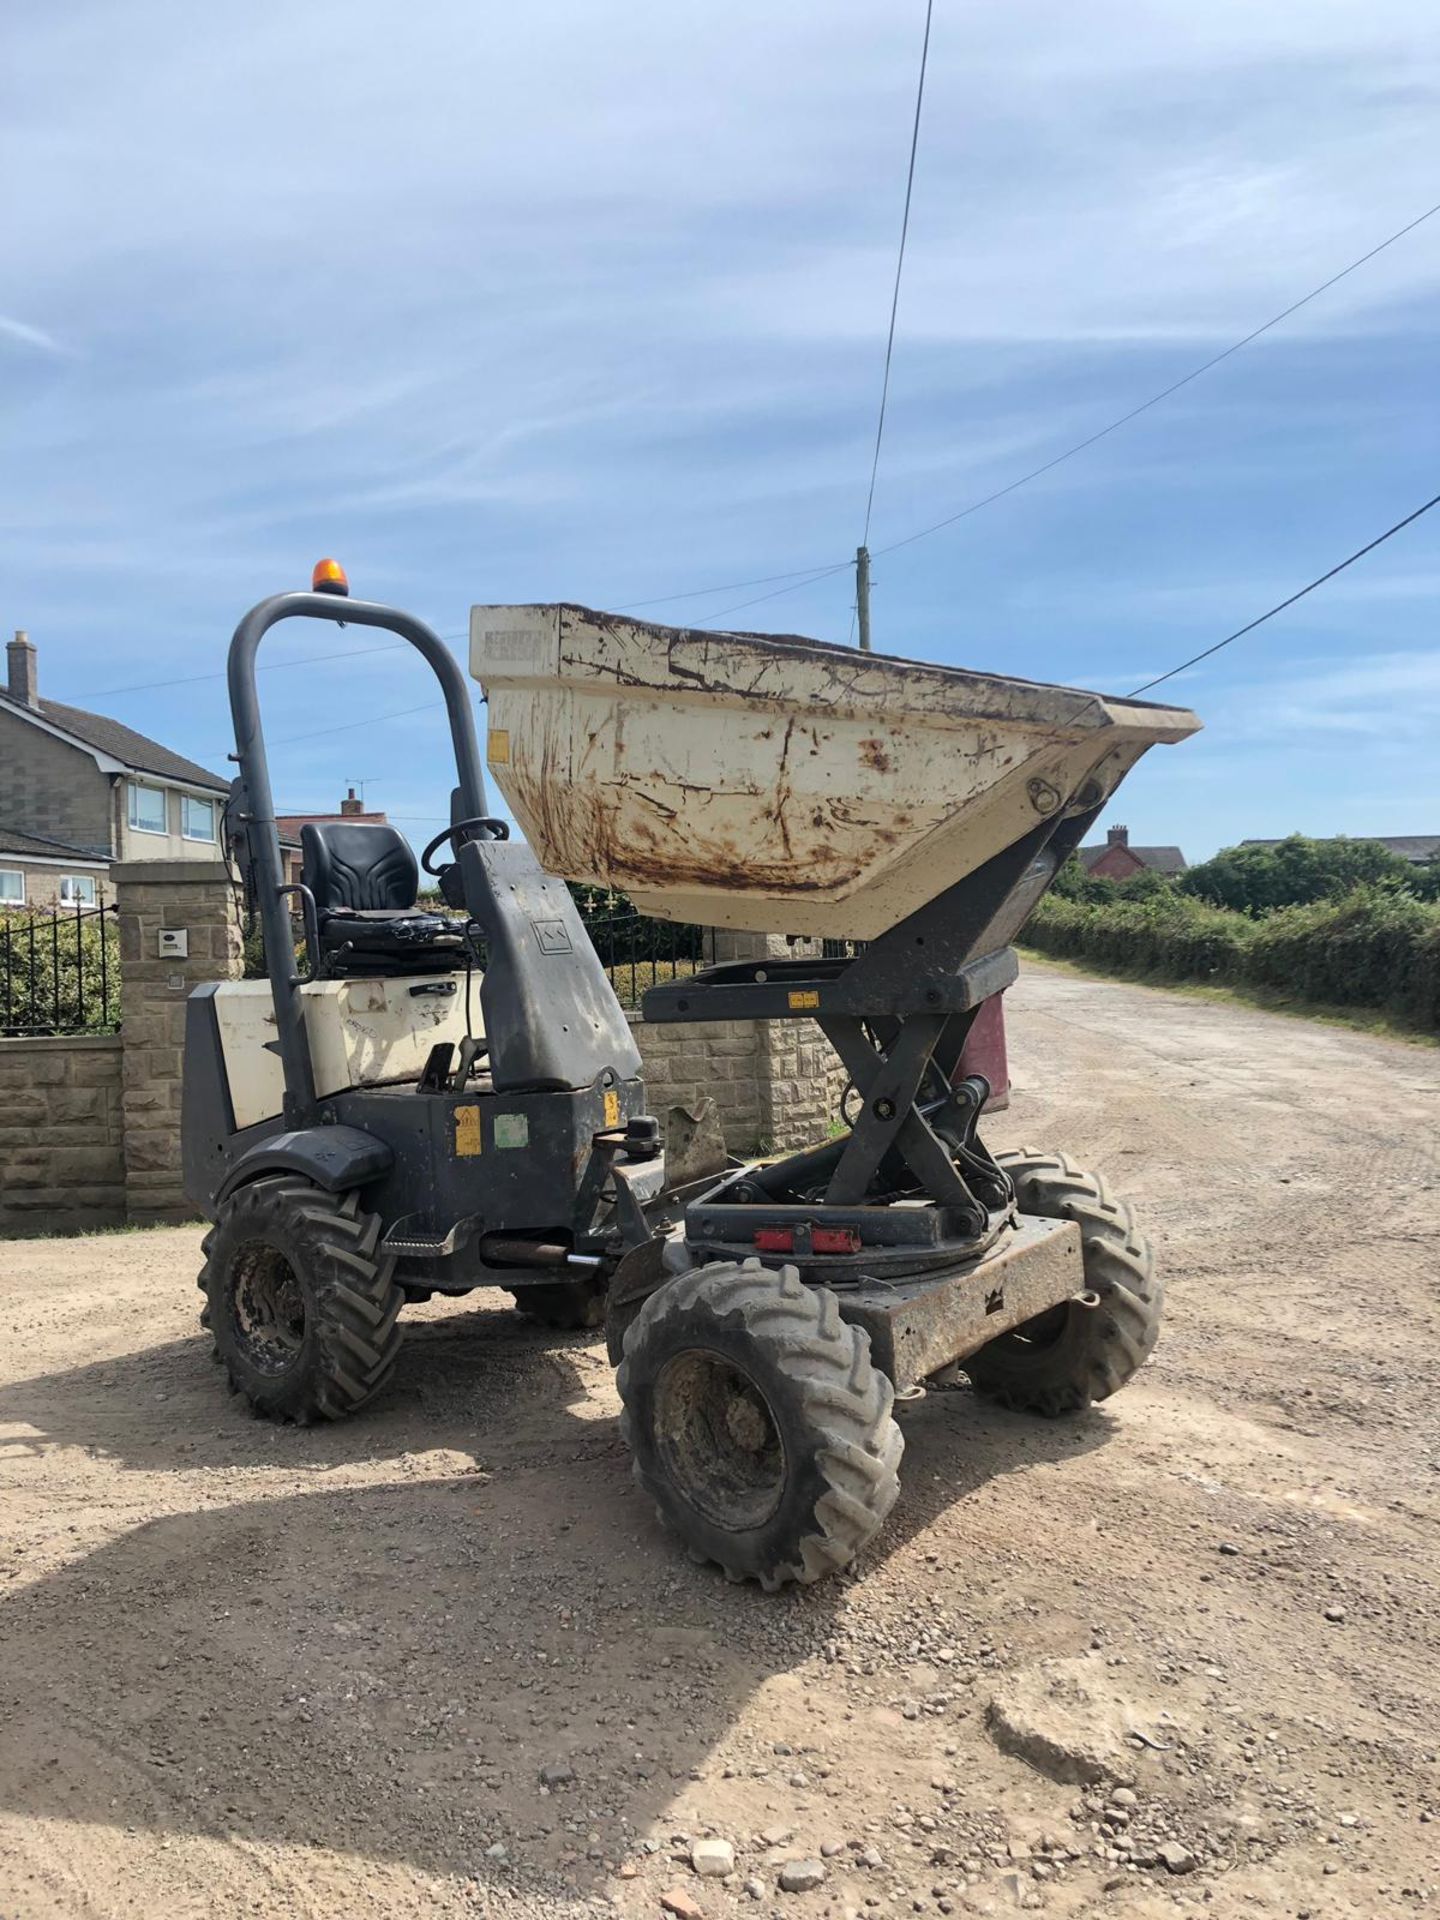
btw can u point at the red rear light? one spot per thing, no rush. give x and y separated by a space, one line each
835 1240
775 1239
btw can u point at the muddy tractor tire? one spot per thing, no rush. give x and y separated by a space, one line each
1064 1359
570 1306
757 1424
301 1303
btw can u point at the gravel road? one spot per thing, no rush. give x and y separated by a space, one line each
1181 1655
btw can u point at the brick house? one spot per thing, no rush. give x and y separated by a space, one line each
1118 860
79 790
36 872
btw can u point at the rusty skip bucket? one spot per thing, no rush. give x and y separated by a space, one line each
779 784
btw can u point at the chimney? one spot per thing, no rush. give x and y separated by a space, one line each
351 804
1117 837
24 682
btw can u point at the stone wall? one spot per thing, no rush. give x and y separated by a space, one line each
197 899
62 1157
777 1082
721 1061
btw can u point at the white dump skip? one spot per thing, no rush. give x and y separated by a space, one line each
779 784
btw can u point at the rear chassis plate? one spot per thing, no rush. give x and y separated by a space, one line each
918 1326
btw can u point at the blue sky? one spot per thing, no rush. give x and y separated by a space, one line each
588 302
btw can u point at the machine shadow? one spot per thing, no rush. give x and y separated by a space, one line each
384 1671
167 1408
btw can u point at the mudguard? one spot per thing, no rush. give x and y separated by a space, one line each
335 1158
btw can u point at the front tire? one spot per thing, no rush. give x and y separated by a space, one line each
301 1301
757 1423
1074 1354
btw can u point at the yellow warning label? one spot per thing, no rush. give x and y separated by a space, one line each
612 1109
467 1132
808 998
498 751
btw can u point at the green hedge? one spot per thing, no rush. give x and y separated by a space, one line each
1376 947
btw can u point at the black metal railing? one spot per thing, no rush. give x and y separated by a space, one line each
59 970
637 952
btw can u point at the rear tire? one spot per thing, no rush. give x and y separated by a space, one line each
570 1306
1062 1360
757 1423
300 1300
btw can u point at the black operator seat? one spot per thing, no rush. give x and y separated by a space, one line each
366 883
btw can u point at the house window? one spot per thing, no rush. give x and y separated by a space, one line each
12 888
77 889
147 809
197 818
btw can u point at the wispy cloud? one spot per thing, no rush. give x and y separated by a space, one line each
29 336
1391 696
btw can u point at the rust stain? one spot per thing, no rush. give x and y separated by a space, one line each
720 871
616 845
783 790
874 755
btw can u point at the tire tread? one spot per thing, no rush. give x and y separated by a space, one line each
353 1301
1114 1339
846 1400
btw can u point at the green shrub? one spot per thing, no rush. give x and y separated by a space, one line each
1072 882
1293 872
54 977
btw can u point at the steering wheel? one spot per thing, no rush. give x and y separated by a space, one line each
499 830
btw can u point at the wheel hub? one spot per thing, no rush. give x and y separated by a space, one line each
718 1440
268 1306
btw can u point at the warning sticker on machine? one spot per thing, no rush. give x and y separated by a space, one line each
809 998
467 1132
612 1109
511 1130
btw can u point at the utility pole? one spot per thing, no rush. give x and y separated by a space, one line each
862 595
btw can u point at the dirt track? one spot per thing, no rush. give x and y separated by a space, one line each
312 1673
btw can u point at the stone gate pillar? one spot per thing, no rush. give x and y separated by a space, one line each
799 1078
179 926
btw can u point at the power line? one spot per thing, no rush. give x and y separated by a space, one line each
727 586
1159 680
807 576
899 269
1155 399
1260 620
269 666
811 579
350 726
1165 392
